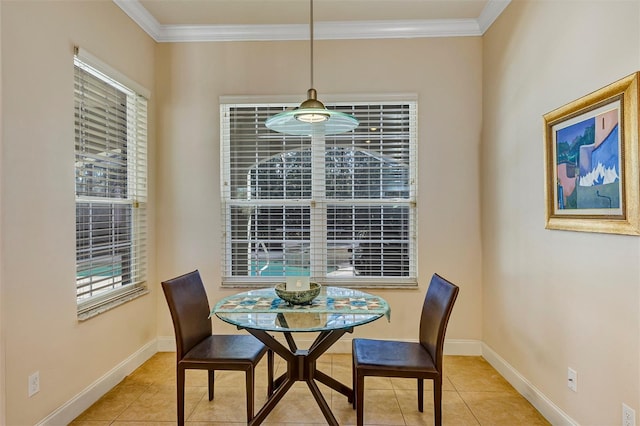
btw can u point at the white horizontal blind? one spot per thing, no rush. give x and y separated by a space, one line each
340 209
111 189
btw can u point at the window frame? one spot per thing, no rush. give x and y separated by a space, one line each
133 174
341 103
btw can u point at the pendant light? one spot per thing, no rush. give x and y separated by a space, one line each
311 116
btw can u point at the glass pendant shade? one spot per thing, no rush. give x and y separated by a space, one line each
336 122
311 117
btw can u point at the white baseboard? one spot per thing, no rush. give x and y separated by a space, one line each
451 347
166 344
462 347
73 408
343 346
78 404
543 404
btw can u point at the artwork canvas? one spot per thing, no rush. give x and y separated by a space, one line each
591 150
588 163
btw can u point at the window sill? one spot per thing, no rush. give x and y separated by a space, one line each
100 308
378 285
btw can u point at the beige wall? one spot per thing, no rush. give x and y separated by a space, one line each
555 299
40 329
2 322
543 300
445 74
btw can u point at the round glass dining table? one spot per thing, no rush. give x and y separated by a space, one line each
336 311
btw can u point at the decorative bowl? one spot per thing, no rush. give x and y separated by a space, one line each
298 297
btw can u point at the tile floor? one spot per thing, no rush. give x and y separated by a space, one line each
473 394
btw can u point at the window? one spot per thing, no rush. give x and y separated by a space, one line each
111 187
340 209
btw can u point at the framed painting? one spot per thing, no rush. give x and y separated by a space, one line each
591 161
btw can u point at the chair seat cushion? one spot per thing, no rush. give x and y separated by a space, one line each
234 349
392 355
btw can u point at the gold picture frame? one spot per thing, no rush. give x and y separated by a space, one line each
591 161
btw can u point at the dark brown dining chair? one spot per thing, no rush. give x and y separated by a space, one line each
198 349
420 360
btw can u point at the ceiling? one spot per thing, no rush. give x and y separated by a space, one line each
242 20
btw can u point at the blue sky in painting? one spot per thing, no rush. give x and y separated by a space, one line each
568 134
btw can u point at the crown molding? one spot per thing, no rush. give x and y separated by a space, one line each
322 30
141 16
490 13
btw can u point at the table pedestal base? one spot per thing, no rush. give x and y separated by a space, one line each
301 366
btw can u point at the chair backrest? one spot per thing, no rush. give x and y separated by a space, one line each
436 310
189 308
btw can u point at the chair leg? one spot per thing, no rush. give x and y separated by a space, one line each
353 382
359 399
250 386
180 386
211 383
437 401
269 372
421 395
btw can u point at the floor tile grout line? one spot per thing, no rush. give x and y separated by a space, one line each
187 417
148 386
333 364
463 400
404 417
470 410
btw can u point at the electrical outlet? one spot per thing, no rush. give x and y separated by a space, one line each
34 383
628 416
572 379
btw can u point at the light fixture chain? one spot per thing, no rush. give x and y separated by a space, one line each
311 38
